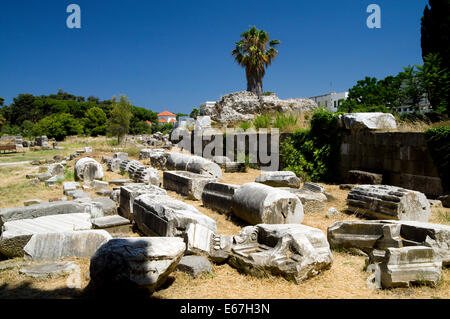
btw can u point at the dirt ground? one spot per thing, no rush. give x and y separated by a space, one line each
345 279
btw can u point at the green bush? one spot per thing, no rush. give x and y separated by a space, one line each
95 122
262 121
438 140
315 153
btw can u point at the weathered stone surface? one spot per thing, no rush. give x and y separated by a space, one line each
202 122
221 160
70 187
368 121
194 265
167 217
279 179
45 209
87 169
79 194
58 245
56 169
244 106
114 164
258 203
401 267
147 175
107 205
157 157
235 167
121 182
294 251
114 224
32 202
194 164
361 177
99 185
388 202
374 237
144 262
218 196
13 263
186 183
16 234
129 192
44 176
313 187
34 181
121 155
313 202
332 212
435 203
50 270
53 181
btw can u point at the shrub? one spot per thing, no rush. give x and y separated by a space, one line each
438 140
95 122
58 126
262 121
245 126
314 153
283 121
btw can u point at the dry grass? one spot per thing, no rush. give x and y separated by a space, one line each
417 125
345 279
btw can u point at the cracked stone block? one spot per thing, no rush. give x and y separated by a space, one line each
218 196
279 179
186 183
129 192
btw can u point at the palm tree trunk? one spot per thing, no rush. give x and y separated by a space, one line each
254 84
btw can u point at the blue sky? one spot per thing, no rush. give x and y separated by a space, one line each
176 55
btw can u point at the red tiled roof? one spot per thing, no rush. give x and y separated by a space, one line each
162 121
165 113
149 123
172 120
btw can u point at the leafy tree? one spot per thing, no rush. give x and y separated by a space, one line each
180 115
195 112
58 126
119 122
95 122
27 128
251 52
2 100
138 123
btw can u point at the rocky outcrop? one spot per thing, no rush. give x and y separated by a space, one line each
245 106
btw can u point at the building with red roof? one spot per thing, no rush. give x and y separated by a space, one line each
166 117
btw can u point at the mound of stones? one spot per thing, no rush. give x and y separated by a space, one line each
388 202
296 252
244 106
400 253
143 262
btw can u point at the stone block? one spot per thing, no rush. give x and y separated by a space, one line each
186 183
218 196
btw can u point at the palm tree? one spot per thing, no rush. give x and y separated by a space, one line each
251 53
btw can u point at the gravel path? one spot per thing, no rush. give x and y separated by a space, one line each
15 163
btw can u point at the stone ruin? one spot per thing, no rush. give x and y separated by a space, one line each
399 253
388 202
87 169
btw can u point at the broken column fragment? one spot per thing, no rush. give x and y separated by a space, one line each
294 251
194 164
218 196
130 191
186 183
142 262
374 237
258 203
388 202
87 169
279 179
167 217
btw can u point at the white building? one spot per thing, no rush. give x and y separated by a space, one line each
166 117
330 101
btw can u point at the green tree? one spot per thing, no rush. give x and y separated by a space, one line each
27 128
251 52
119 121
58 126
180 115
195 112
95 122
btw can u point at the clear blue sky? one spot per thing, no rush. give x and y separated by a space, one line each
175 55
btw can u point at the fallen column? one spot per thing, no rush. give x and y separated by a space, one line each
388 202
279 179
218 196
257 203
